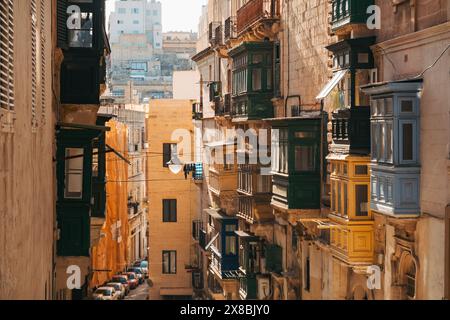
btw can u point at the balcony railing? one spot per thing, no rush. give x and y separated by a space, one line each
197 111
254 11
215 34
197 228
230 28
352 127
349 11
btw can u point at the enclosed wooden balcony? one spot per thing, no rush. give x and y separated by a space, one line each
353 242
256 11
348 12
351 130
222 179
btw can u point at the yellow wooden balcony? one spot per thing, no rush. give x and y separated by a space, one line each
352 242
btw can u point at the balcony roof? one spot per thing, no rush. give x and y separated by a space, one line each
215 214
406 85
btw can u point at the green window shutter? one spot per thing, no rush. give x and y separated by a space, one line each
62 37
74 234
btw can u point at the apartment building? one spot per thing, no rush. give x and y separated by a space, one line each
134 117
137 17
27 122
357 187
173 195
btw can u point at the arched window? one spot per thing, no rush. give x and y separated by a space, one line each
410 280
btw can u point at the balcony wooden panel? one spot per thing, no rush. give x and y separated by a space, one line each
254 11
347 12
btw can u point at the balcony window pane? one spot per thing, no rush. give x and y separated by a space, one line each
339 198
269 79
407 106
305 158
407 129
345 204
230 245
361 170
81 31
389 143
256 79
361 198
74 173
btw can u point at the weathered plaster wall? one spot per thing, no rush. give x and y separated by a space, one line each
26 171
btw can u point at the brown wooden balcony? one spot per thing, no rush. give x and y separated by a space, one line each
254 11
230 28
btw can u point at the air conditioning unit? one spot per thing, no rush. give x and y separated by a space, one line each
264 289
295 111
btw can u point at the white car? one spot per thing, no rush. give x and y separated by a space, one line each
105 293
120 289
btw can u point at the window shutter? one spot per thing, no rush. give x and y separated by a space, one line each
33 62
62 24
7 54
43 61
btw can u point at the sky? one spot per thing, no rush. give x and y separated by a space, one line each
177 15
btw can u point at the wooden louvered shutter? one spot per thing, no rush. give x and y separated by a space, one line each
62 24
33 13
7 54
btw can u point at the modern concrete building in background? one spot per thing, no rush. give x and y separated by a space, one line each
143 58
137 17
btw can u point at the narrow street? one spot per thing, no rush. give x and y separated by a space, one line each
141 293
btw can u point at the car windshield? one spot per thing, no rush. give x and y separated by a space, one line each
120 279
105 292
114 285
131 276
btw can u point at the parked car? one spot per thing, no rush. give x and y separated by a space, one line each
105 293
139 273
143 265
133 281
120 289
122 279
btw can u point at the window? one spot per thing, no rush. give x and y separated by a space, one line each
361 170
169 262
305 158
307 274
256 79
169 153
339 198
135 10
280 141
122 10
169 210
7 56
407 133
411 281
345 203
74 173
230 245
406 106
361 198
82 37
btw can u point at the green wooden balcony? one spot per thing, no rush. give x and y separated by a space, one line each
346 12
